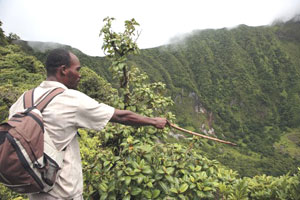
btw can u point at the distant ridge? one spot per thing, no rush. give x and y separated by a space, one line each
240 84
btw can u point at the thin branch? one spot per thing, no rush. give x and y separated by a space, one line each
200 135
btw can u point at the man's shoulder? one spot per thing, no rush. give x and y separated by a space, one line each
49 85
17 106
75 98
75 93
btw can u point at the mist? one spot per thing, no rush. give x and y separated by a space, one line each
43 46
160 21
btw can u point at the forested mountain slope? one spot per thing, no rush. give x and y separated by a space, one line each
139 167
239 84
246 80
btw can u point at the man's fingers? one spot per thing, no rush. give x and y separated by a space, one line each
160 122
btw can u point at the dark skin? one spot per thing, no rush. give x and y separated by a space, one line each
70 77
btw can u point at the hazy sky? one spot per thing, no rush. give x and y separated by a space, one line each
78 22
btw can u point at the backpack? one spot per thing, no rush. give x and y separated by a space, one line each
29 161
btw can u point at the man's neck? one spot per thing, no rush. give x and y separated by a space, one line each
51 78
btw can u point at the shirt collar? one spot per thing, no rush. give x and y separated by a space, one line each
50 84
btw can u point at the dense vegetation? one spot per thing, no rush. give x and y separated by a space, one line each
228 79
238 84
246 80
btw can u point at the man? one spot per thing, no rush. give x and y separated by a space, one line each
69 111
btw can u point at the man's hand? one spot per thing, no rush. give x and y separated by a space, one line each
160 122
130 118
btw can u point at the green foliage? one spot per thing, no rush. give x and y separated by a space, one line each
243 80
95 86
247 78
140 163
119 46
7 194
12 37
3 40
267 187
18 73
289 143
236 82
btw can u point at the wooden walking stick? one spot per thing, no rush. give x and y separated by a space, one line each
203 136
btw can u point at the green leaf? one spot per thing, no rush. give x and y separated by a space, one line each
103 196
174 190
135 191
176 181
130 138
199 186
140 178
135 164
103 187
106 163
155 193
164 187
111 187
119 173
192 167
142 163
198 168
192 186
148 194
147 170
170 170
127 197
127 180
169 178
192 179
150 185
207 189
183 188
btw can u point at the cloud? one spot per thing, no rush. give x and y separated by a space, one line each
42 46
78 22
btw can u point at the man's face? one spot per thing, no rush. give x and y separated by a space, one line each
72 75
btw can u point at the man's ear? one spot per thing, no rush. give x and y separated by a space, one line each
62 70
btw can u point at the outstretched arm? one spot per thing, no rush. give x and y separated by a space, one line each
127 117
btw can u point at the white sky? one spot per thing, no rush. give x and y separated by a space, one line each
78 22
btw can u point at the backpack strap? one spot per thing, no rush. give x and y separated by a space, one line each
28 99
48 98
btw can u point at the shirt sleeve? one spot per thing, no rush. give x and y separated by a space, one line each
92 114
